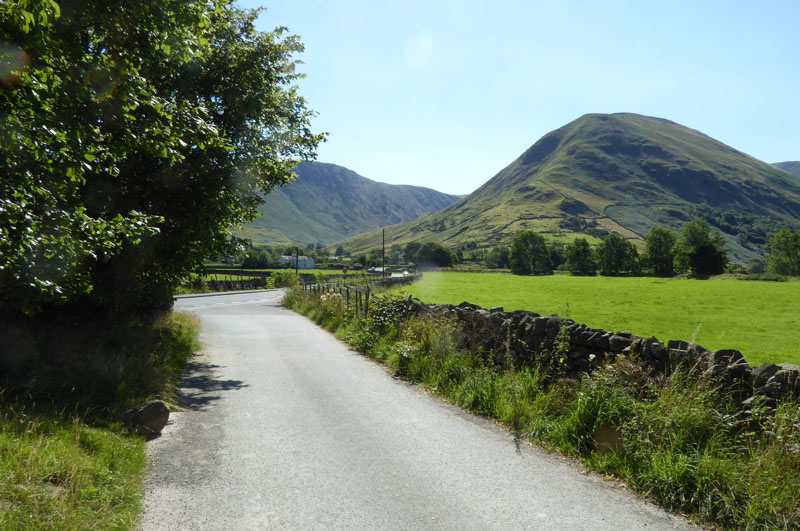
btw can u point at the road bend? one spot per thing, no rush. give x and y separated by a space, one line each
286 428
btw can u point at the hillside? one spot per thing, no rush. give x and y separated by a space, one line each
327 203
792 166
621 173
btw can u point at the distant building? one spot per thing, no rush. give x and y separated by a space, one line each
303 262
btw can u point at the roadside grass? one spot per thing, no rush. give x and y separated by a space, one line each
758 318
680 441
66 461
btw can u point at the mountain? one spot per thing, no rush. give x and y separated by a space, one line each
792 166
620 173
327 203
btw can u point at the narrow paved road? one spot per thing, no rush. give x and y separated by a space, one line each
286 428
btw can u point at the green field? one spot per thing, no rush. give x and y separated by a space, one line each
758 318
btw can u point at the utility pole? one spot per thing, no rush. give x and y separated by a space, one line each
296 259
383 256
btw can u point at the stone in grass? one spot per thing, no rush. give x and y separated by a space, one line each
148 418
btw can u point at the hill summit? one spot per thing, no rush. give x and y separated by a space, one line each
621 173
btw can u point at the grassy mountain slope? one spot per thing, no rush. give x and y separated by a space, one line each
792 166
327 203
621 173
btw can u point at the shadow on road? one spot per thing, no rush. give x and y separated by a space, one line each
200 386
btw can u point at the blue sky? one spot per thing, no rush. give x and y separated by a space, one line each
445 94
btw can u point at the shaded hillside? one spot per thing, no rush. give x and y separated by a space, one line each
622 173
792 166
327 203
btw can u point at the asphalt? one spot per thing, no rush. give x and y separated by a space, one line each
286 428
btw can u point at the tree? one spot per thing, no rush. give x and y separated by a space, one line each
395 253
432 254
529 255
410 251
497 258
783 253
580 259
615 256
557 256
134 136
339 251
611 255
660 243
698 251
257 259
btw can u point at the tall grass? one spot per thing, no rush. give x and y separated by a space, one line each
680 440
66 462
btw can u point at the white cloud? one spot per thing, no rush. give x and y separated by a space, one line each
417 51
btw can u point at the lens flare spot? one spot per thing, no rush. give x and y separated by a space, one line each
13 61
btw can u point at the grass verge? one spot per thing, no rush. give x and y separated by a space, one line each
680 441
66 462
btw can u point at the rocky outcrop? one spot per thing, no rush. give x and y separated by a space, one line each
527 339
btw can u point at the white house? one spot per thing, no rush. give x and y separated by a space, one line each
303 262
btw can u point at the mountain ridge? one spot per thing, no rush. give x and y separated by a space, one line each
620 173
327 203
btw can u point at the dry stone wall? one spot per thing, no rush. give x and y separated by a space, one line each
530 339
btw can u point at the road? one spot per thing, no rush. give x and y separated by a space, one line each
286 428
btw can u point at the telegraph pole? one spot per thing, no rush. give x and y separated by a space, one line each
383 255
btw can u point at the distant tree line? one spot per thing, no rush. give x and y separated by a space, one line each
696 250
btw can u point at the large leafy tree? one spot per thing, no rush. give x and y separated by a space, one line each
134 136
529 255
431 254
580 258
660 242
615 256
783 253
699 251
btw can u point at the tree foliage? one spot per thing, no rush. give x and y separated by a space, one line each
580 258
410 251
497 258
783 253
529 255
134 136
660 242
615 256
699 251
431 254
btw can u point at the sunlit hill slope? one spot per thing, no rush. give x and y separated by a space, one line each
327 203
620 173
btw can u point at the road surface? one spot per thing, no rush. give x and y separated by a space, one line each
286 428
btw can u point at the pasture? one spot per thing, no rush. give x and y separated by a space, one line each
758 318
